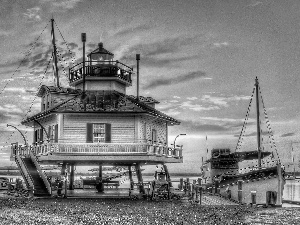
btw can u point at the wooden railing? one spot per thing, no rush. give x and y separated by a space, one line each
101 68
24 171
40 172
100 148
97 148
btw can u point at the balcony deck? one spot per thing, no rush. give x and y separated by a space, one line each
101 69
105 153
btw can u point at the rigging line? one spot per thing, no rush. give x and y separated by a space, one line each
29 110
72 55
269 130
244 125
62 63
31 48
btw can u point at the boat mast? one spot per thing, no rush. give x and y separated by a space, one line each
258 124
54 54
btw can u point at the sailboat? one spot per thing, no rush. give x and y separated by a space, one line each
259 184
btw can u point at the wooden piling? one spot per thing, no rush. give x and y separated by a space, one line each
240 191
181 187
253 197
194 190
168 175
217 186
71 185
140 178
130 177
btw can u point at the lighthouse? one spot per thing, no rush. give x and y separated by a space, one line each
95 123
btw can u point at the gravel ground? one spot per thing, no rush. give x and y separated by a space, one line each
124 211
275 216
120 211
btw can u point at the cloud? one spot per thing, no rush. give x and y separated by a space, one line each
62 4
11 109
197 107
287 135
133 30
253 134
219 45
157 54
191 98
175 80
32 14
254 3
223 101
189 126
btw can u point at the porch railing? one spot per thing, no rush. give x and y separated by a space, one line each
101 148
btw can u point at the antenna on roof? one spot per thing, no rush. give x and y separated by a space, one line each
138 76
83 39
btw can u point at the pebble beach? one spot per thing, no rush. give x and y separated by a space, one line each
124 211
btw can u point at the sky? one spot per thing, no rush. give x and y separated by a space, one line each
199 59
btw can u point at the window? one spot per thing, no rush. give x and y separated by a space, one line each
98 132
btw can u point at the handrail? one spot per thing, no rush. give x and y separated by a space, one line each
140 148
24 168
41 173
23 174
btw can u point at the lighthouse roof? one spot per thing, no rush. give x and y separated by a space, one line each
59 90
104 102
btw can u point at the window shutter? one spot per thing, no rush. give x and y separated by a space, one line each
41 134
89 133
35 136
107 132
56 134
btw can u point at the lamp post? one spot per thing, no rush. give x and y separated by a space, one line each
176 138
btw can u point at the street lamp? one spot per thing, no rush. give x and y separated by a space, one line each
176 138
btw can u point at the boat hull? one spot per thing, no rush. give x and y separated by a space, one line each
261 187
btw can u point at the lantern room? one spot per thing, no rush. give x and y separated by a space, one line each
101 73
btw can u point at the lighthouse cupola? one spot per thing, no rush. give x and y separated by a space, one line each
100 72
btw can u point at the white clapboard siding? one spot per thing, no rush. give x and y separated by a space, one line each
122 128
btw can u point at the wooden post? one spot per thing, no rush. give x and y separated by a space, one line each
71 186
268 198
217 186
240 191
200 181
197 194
63 169
130 177
168 175
181 187
100 185
253 197
200 190
140 178
187 186
194 190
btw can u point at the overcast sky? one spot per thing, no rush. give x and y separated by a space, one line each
198 58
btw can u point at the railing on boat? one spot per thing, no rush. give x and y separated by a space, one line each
99 148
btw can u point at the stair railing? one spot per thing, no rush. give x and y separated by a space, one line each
23 174
41 173
24 170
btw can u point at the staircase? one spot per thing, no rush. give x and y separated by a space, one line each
31 172
39 186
